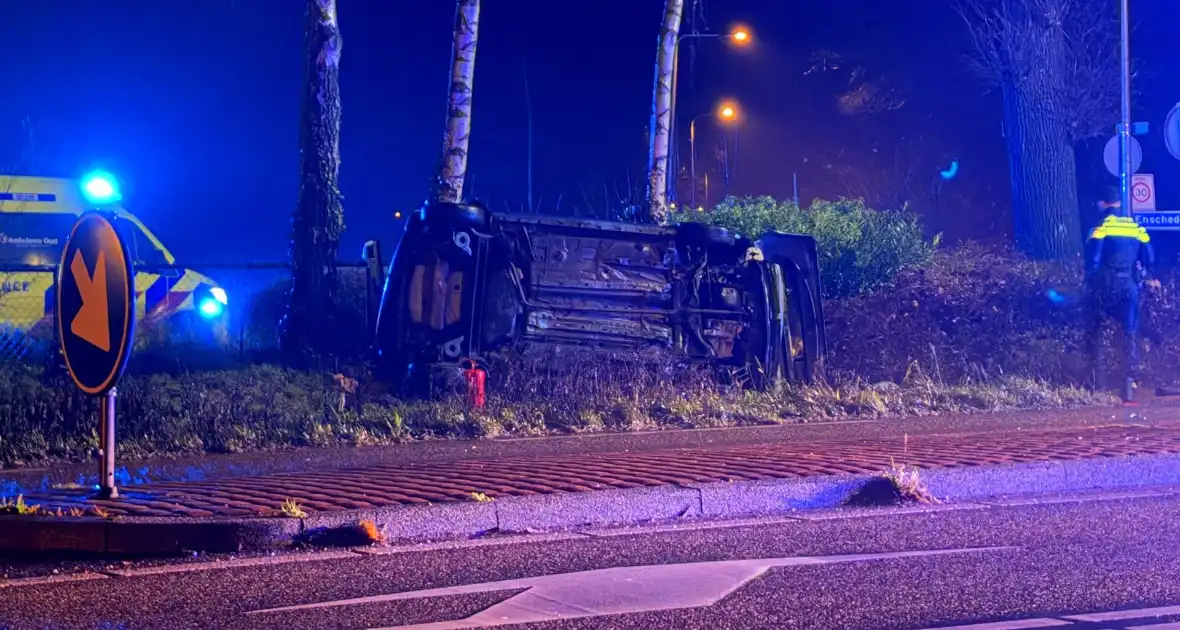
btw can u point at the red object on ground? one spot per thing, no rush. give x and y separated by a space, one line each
477 384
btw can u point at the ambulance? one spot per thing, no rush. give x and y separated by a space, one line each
36 215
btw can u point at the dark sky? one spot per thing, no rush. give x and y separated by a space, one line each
195 104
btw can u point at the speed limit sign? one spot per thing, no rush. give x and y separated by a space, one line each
1143 192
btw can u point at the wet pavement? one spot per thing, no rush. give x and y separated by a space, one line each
476 480
1106 562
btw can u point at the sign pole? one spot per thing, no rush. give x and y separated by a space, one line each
95 311
106 467
1125 164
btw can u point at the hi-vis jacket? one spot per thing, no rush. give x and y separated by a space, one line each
1118 243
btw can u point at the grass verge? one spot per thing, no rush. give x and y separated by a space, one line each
266 408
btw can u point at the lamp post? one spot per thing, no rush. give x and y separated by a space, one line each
738 35
727 112
1125 162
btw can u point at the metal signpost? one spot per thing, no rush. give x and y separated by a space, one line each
96 322
1124 131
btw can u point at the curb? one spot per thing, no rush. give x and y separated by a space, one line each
162 535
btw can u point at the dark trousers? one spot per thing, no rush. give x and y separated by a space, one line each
1114 298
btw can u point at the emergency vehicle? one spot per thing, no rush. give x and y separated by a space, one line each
36 215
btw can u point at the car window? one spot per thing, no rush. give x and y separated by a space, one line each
30 238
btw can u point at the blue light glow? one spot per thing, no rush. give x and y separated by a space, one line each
951 171
1055 297
100 188
210 308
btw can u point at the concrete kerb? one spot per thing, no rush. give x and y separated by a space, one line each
565 511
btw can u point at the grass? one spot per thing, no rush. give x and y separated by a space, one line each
266 408
908 484
19 507
291 508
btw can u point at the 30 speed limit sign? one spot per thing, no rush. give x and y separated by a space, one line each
1142 192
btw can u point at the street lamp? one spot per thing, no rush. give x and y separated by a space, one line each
738 35
727 112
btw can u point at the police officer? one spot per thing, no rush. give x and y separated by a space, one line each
1119 260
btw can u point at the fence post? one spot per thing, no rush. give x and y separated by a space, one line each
374 279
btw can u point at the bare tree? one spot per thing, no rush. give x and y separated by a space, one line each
862 95
661 115
319 216
453 167
1055 64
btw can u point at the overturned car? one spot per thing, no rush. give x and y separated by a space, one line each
466 285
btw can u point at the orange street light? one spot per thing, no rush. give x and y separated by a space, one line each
740 35
728 111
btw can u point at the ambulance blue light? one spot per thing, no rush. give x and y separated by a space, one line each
210 308
100 188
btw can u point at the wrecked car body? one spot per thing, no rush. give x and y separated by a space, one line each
466 285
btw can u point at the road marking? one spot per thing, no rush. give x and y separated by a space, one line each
51 579
237 563
1116 615
907 510
1120 495
640 530
466 544
1018 624
614 591
1137 616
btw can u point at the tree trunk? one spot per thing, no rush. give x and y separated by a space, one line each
1045 214
453 168
319 217
661 114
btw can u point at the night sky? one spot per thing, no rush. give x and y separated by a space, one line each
195 105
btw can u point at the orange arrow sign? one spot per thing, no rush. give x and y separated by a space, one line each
92 321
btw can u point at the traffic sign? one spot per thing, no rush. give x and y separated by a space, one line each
1143 192
1159 221
1172 131
95 304
1110 155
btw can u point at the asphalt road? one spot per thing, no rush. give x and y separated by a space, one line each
1051 564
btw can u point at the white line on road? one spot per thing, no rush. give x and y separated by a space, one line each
1016 624
615 590
1115 615
51 579
1071 620
237 563
465 544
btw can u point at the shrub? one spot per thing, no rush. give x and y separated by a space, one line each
975 313
859 248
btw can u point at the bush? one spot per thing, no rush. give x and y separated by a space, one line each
859 248
975 313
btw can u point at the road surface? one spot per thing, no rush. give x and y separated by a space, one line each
1109 561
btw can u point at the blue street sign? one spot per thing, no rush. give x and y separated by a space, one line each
1160 221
